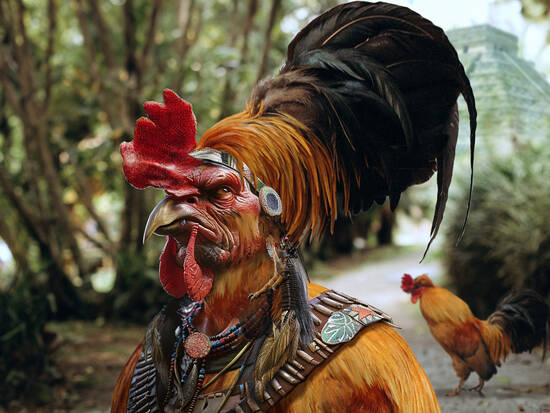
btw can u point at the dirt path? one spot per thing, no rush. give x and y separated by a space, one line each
522 383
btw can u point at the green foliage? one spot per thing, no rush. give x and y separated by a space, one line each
92 68
138 295
507 240
24 344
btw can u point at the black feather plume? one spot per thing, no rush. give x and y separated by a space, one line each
377 84
524 316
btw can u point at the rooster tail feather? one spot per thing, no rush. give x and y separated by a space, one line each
523 316
468 95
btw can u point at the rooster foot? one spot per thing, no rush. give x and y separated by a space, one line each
479 387
457 390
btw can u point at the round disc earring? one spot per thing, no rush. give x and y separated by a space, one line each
270 201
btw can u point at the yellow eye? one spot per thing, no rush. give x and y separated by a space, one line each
223 192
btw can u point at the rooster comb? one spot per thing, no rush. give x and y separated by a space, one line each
407 283
159 154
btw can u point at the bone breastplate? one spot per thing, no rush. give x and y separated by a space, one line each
337 317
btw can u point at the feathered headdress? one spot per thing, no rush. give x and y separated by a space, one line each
364 106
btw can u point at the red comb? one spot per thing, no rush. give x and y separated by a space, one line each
407 283
158 155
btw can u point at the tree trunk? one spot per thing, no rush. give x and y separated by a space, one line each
275 6
228 94
387 221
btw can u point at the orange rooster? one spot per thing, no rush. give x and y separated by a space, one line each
363 107
520 323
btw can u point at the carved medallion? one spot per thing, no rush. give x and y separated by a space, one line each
197 345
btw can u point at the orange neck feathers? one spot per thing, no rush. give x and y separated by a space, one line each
228 299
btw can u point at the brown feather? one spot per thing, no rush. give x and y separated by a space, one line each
276 350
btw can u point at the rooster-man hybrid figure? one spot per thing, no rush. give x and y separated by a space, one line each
364 106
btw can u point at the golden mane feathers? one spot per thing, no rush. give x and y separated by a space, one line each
284 154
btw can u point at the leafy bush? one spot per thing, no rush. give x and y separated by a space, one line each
507 239
138 295
24 344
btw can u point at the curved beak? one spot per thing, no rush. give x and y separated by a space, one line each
163 218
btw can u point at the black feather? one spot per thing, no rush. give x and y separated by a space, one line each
524 316
297 279
444 174
377 84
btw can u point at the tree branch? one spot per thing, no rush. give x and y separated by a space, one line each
194 32
234 30
150 35
247 28
91 53
228 94
19 204
11 93
184 22
52 23
88 43
120 110
87 199
105 248
26 67
130 38
186 8
275 6
103 34
23 105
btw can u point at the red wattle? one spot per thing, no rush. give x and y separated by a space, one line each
416 294
170 274
197 280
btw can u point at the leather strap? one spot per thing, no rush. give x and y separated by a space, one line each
307 358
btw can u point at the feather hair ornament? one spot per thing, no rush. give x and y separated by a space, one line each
363 107
279 347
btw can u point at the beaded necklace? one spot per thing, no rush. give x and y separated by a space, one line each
187 367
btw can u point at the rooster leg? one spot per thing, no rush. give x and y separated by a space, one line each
458 388
479 387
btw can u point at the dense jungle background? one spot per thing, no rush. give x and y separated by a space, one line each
77 285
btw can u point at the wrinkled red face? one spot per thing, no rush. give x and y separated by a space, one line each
210 216
211 223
